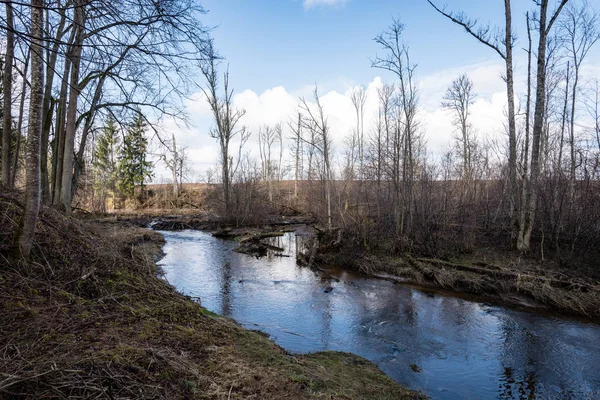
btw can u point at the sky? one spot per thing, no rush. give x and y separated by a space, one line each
277 50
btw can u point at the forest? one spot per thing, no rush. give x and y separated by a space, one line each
87 162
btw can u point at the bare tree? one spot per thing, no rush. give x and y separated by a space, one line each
297 150
397 60
458 98
502 43
385 96
268 136
526 226
592 102
525 176
280 170
226 119
52 56
7 79
33 194
359 98
71 120
23 95
316 123
579 28
174 159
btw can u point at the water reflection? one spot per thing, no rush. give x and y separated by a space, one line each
446 346
226 289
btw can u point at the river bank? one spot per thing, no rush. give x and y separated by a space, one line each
88 317
448 346
494 275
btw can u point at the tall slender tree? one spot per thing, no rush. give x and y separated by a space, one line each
503 45
458 99
580 30
316 123
7 78
405 142
544 27
34 132
226 118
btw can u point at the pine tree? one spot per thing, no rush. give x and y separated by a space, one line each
105 159
133 168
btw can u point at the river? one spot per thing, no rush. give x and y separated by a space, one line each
446 346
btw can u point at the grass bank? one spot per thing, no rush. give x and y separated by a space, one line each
88 318
504 278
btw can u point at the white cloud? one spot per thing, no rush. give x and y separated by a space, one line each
279 105
308 4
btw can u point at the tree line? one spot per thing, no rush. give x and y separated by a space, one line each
533 189
70 63
87 71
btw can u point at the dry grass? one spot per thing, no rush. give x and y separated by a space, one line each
501 278
88 318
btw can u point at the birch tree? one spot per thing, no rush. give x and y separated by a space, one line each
226 119
174 159
359 98
7 78
458 99
32 191
297 150
579 29
397 60
316 123
544 28
502 42
268 137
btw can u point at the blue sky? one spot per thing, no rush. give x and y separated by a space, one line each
282 42
278 49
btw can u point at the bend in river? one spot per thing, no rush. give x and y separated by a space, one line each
448 347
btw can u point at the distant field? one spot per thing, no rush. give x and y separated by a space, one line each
185 186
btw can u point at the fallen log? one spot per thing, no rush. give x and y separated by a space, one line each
508 274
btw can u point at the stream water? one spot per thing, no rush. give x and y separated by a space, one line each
445 346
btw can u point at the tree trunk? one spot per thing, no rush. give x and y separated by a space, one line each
34 132
526 228
563 119
20 120
59 139
298 154
48 109
87 126
7 89
512 129
71 123
175 163
573 164
525 183
225 177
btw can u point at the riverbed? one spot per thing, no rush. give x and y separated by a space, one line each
446 346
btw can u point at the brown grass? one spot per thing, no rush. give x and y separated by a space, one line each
503 278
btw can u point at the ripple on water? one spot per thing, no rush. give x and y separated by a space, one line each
449 347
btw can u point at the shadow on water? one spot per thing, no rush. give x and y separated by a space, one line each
447 346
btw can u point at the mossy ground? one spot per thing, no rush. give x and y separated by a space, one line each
88 318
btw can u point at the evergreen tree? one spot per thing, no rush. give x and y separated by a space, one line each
133 168
105 159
